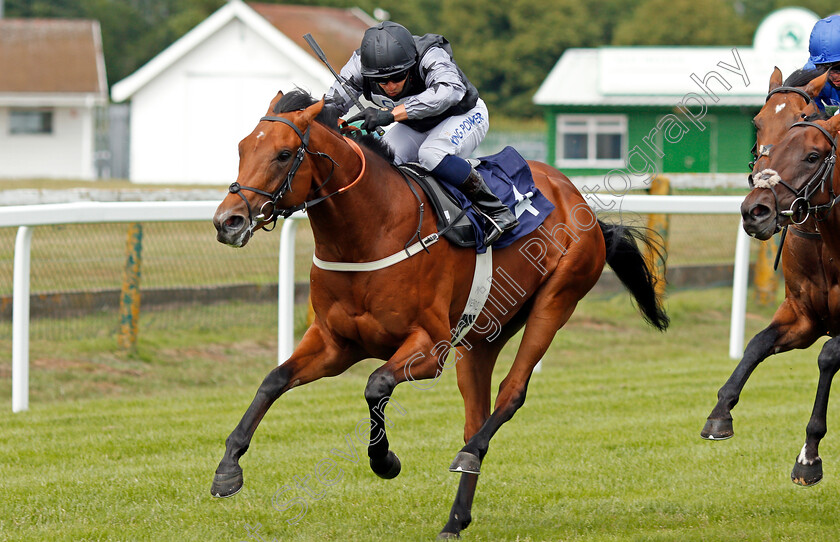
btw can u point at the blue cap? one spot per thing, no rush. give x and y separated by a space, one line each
824 44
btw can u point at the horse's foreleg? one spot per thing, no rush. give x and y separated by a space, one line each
808 467
474 370
418 358
789 329
312 359
545 319
460 516
719 424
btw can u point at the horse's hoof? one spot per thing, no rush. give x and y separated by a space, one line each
466 462
716 429
227 484
387 469
448 536
807 475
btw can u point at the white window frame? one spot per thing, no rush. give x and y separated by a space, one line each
39 111
592 130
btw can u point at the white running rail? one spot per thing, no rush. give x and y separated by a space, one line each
27 216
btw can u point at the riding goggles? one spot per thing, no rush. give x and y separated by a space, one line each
393 78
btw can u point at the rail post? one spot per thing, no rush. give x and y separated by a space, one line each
20 320
130 293
766 279
659 223
286 291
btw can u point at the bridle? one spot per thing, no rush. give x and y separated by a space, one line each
801 207
286 185
765 149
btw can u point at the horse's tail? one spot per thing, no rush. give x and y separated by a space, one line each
632 269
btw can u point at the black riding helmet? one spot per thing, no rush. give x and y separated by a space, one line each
387 48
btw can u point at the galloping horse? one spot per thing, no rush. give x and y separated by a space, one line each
797 322
797 189
362 210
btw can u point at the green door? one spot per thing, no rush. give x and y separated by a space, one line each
696 150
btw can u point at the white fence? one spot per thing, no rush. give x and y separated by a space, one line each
27 216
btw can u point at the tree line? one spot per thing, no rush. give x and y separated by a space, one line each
506 47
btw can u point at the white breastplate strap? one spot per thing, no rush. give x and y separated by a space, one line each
479 292
375 265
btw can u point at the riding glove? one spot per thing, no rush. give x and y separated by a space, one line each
373 117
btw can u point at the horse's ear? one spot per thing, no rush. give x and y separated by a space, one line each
775 79
274 103
816 85
313 110
833 124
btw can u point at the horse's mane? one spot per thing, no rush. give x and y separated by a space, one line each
803 76
299 99
819 115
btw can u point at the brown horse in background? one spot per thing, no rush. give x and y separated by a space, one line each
362 210
808 310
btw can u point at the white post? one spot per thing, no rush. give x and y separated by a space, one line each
739 294
286 292
20 321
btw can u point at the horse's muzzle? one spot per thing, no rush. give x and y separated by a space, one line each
232 228
759 219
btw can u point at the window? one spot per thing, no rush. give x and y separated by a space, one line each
591 140
30 121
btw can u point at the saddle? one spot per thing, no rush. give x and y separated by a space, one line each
507 175
452 220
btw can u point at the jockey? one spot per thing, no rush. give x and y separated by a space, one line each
440 120
824 47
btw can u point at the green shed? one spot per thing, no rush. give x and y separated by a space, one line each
621 114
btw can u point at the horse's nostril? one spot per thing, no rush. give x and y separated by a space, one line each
228 225
234 222
755 213
758 211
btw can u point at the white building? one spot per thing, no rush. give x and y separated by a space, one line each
52 81
194 102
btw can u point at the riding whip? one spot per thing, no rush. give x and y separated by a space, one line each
318 51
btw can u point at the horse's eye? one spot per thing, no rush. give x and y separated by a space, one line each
283 156
813 157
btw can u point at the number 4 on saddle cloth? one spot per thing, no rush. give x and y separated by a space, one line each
508 176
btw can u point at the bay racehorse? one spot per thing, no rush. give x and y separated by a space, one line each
361 209
797 322
797 188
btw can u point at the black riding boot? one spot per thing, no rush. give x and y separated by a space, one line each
499 217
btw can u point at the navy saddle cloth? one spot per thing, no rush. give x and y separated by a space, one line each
508 176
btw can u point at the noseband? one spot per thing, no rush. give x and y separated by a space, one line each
820 180
286 185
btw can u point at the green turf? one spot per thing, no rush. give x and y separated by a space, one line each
606 448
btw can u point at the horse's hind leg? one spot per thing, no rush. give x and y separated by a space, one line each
312 359
808 467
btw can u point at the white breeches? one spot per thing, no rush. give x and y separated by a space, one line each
458 135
